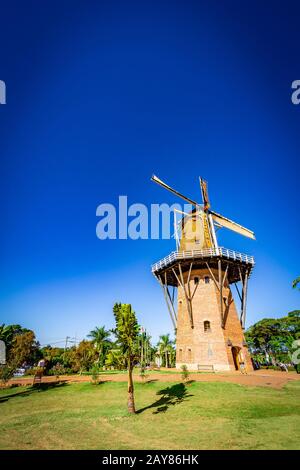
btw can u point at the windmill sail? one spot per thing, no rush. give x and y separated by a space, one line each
166 186
227 223
204 191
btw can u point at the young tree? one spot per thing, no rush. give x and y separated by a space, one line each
100 339
127 330
185 373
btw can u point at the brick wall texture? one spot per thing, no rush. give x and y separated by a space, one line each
215 346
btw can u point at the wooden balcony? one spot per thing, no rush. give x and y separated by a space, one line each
238 262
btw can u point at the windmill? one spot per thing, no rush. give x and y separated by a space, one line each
209 332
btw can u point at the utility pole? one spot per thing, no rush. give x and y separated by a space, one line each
66 344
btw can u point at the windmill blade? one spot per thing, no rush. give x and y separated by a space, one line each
164 185
204 192
227 223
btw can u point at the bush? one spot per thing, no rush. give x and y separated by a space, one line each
185 373
30 371
6 373
59 369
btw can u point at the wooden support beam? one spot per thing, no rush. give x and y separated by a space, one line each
175 274
173 295
166 299
229 302
212 275
240 273
237 289
171 299
188 283
172 305
187 298
244 299
225 275
221 291
194 291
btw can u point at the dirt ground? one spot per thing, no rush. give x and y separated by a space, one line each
263 378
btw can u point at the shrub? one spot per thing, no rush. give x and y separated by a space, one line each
95 375
30 371
6 373
59 369
185 373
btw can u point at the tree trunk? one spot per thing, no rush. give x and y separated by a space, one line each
267 356
166 354
130 403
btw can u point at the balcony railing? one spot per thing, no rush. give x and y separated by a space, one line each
206 253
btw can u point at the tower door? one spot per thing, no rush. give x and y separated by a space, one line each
235 355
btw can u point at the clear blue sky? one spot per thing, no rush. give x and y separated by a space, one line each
100 95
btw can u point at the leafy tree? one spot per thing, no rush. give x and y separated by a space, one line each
274 337
84 357
100 339
115 359
127 330
9 332
53 355
24 349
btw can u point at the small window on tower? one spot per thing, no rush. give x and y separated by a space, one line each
207 326
180 355
196 280
206 280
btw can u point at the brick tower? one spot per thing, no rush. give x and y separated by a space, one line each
209 330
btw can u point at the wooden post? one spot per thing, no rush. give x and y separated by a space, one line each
221 290
187 298
164 288
244 300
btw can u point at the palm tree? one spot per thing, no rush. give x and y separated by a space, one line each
101 341
296 282
127 330
164 345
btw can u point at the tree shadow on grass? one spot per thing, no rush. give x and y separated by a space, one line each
170 396
148 381
43 387
100 382
190 382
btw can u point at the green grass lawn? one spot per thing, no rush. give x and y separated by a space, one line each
170 416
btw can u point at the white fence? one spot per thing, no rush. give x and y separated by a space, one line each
206 253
